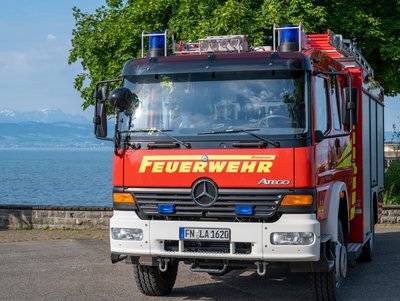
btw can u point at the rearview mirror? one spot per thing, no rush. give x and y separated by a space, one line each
100 112
100 120
349 106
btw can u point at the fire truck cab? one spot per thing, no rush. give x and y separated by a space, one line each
229 156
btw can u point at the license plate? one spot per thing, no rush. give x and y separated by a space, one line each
204 234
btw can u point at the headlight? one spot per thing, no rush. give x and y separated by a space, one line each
292 238
126 234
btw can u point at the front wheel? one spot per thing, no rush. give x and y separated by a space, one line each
326 284
152 282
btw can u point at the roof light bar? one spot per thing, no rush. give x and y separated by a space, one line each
229 43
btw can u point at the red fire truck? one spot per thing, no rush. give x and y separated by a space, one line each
229 156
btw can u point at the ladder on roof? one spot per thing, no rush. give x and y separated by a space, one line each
349 49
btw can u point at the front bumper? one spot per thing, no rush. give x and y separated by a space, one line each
156 232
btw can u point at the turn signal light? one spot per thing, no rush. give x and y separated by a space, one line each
297 200
123 197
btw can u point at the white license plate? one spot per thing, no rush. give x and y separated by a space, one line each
204 234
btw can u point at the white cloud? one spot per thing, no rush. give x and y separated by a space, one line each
19 63
51 37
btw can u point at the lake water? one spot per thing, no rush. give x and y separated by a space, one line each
65 177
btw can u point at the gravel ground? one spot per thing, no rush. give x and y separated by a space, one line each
75 265
35 234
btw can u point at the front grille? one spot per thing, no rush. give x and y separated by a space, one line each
206 247
265 203
191 246
243 248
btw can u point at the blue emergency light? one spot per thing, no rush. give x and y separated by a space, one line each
289 35
156 40
166 208
244 210
156 43
289 38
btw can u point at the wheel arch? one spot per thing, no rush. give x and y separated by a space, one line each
338 208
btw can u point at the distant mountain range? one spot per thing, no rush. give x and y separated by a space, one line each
391 137
46 128
55 128
46 116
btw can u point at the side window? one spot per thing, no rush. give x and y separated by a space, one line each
321 108
335 103
342 83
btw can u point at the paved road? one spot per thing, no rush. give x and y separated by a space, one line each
80 269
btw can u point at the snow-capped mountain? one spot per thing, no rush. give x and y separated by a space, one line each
46 128
45 116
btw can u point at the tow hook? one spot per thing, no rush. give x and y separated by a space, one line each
261 267
118 257
163 264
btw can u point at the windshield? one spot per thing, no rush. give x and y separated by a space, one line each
187 104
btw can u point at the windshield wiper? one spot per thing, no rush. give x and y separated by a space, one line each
247 131
155 130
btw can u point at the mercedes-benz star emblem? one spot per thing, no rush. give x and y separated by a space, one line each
204 192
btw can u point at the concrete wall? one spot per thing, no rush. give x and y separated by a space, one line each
36 217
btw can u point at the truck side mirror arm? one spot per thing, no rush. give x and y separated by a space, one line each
319 136
100 97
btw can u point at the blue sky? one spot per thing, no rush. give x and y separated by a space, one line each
34 45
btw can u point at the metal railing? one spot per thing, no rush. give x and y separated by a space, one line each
349 49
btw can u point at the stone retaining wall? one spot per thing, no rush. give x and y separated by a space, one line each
390 214
37 217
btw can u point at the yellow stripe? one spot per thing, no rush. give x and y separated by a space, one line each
352 213
354 182
353 198
345 163
346 151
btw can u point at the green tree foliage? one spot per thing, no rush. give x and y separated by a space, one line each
392 183
103 41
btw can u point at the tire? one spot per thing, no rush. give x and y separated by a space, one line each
368 249
326 284
152 282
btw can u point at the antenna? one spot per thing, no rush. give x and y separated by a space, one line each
239 6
